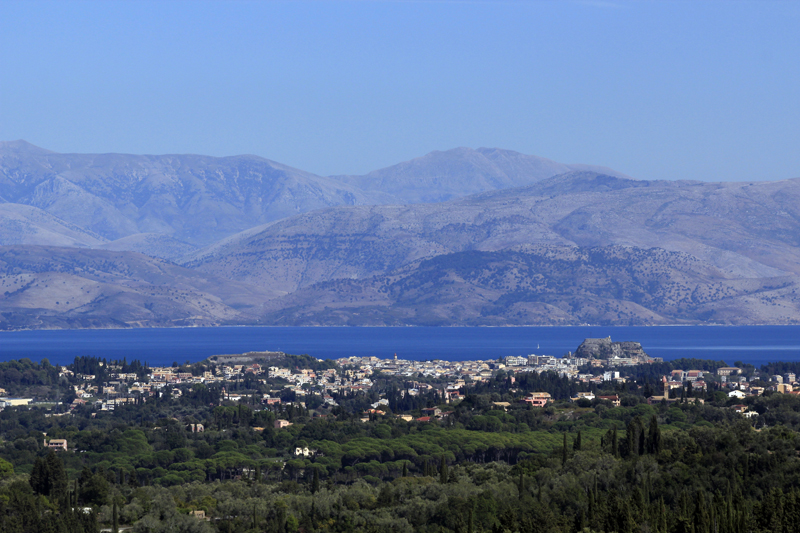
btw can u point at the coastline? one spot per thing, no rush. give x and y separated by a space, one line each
753 343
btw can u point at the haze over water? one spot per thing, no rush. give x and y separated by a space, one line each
750 344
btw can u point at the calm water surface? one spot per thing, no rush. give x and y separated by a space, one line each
750 344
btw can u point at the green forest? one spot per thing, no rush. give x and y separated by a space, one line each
489 464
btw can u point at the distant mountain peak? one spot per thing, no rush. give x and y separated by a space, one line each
443 175
21 147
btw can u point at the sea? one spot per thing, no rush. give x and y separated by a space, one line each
756 345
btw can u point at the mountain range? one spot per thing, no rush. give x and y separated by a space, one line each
460 237
198 200
441 176
667 252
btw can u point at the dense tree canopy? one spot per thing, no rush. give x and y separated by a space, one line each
490 463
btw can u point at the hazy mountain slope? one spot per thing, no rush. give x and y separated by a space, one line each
747 230
440 176
360 242
199 200
740 235
152 244
23 224
44 287
546 285
196 199
578 247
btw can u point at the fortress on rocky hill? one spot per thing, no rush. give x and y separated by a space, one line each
606 349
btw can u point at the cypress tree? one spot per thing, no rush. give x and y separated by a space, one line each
443 471
133 478
746 473
38 477
521 484
613 516
729 518
654 436
405 468
632 437
564 451
638 501
315 482
683 504
577 444
642 445
701 520
115 518
742 521
627 523
49 477
580 521
614 442
777 522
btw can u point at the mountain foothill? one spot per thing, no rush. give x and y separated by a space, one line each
457 237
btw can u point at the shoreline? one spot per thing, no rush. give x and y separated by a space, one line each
756 344
407 326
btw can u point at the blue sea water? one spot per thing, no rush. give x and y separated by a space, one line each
750 344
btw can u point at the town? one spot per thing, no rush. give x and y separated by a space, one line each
269 441
597 364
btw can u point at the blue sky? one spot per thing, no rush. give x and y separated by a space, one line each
658 90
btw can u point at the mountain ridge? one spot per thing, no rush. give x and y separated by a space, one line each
194 198
46 286
461 172
610 286
280 246
730 229
198 200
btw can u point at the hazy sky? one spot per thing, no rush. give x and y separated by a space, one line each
658 90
